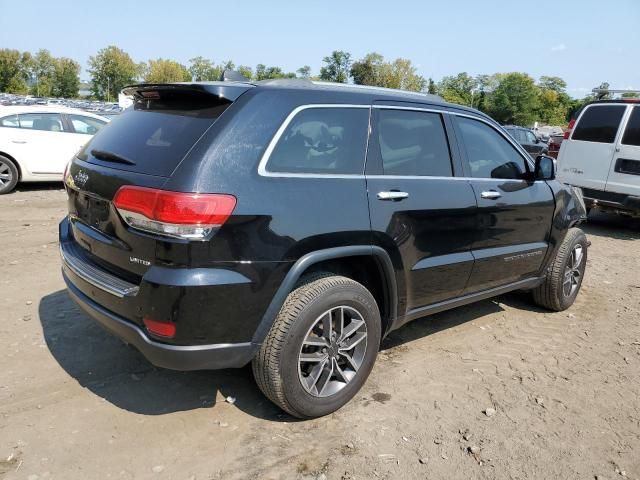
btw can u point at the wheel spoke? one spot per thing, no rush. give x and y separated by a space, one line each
339 373
351 328
325 378
350 343
327 328
315 373
577 257
312 357
349 359
315 341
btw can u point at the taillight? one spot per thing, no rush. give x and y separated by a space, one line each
175 214
161 329
567 133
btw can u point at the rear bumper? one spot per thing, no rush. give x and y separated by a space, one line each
174 357
612 201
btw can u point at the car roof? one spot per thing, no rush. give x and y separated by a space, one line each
17 109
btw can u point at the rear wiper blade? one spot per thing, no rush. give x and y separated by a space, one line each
111 157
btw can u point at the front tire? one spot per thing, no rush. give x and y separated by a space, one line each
564 277
321 347
8 175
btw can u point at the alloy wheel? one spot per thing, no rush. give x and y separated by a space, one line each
573 271
5 174
332 352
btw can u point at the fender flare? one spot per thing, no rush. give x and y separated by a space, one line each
311 258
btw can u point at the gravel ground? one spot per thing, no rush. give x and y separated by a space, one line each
498 389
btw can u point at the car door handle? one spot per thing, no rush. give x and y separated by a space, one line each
491 195
392 195
18 141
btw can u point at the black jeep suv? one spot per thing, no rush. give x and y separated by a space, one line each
294 224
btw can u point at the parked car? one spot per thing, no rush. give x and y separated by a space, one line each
36 143
213 225
554 144
525 137
601 155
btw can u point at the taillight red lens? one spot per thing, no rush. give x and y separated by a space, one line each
567 133
161 329
178 214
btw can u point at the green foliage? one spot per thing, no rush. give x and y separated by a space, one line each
111 70
459 89
431 87
165 71
514 100
14 70
374 71
304 72
508 97
245 71
337 67
66 80
42 69
267 73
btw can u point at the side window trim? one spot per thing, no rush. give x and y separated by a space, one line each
519 148
262 165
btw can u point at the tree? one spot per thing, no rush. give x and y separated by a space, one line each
401 74
304 72
367 70
555 84
603 96
514 100
166 71
66 80
373 70
337 67
266 73
14 70
202 69
553 101
111 70
431 87
458 89
42 71
245 71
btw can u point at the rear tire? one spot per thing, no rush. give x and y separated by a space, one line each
8 175
566 272
321 347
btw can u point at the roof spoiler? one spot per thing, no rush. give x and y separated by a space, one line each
233 76
229 92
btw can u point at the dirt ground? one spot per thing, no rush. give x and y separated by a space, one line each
75 403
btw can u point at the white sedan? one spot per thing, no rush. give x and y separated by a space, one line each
37 142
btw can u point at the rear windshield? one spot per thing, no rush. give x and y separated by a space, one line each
155 134
599 123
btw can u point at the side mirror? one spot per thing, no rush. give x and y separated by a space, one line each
545 168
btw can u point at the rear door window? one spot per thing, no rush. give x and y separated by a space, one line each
632 132
599 123
48 122
155 134
321 140
413 143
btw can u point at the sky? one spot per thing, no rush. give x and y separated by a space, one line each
584 42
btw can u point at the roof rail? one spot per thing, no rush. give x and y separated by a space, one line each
610 90
375 88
